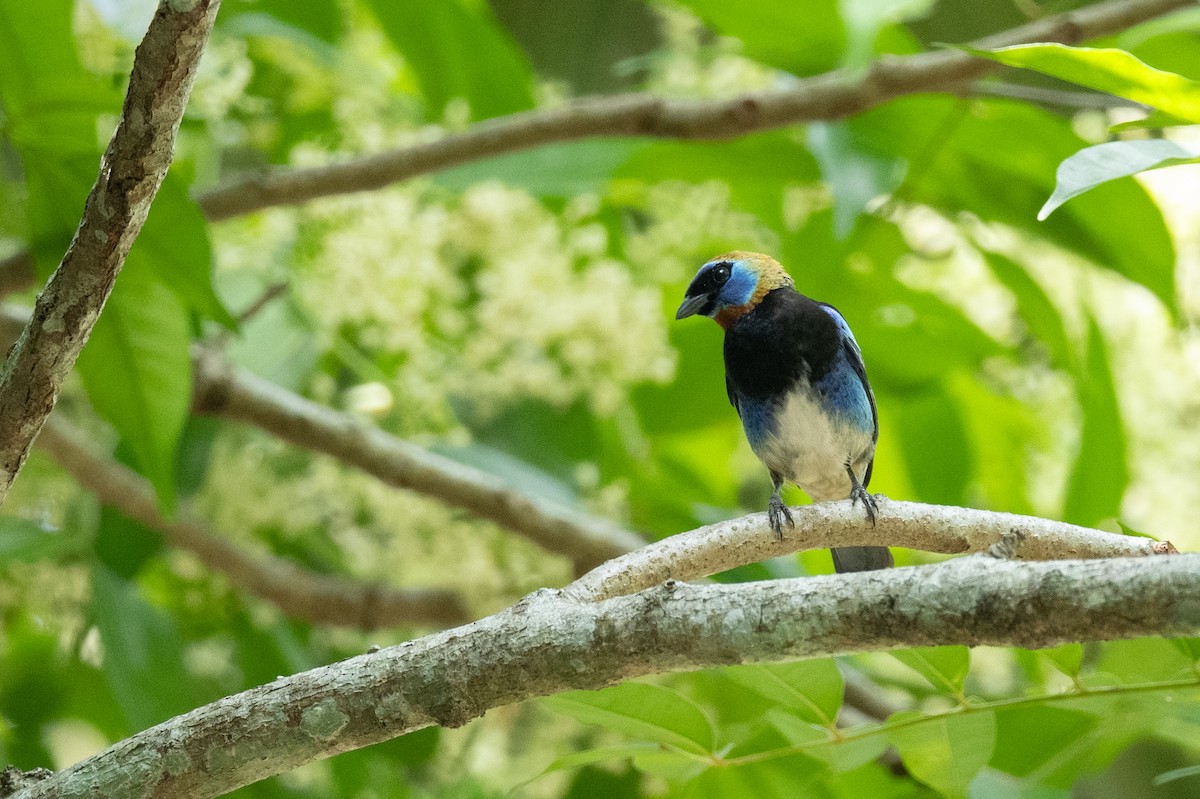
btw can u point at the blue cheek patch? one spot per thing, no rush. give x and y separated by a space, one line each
740 288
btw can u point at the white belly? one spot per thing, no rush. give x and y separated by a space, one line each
811 449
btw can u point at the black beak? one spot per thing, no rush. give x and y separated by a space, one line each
691 305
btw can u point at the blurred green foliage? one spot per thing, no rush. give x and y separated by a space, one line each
514 313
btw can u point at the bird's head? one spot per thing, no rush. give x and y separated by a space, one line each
730 285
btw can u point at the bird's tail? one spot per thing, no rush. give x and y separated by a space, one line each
861 559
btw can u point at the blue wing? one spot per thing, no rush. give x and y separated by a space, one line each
854 358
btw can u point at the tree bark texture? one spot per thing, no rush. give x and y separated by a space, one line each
549 643
131 170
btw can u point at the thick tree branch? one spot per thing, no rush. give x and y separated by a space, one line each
933 528
834 95
131 170
549 643
222 390
299 593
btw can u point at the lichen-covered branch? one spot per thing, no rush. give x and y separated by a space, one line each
933 528
222 390
834 95
550 643
131 170
297 592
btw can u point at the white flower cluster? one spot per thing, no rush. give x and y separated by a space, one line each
690 223
392 536
489 299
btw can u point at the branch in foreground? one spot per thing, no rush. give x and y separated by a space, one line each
299 593
834 95
131 170
933 528
548 643
222 390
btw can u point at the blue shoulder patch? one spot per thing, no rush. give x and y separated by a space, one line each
841 322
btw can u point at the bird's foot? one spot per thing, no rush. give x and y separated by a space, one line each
777 512
858 493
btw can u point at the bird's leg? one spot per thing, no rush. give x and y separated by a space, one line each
857 492
776 510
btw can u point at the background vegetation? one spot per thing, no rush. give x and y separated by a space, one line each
514 314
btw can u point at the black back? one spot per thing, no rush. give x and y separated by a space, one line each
787 336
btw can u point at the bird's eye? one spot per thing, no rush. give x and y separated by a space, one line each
721 272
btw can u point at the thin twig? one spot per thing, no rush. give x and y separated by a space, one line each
933 528
131 170
834 95
299 593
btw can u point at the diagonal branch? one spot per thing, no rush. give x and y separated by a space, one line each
548 643
131 170
933 528
299 593
834 95
222 390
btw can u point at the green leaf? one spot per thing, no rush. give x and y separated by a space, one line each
174 244
947 751
801 38
756 169
865 19
25 541
143 653
1100 473
588 757
1107 70
937 452
565 169
1190 647
1127 530
1101 163
42 82
811 688
954 149
138 374
1141 660
318 18
840 755
1036 309
456 51
945 667
1067 658
1155 120
854 173
645 711
1029 736
603 754
785 777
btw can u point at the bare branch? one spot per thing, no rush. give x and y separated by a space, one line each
549 643
834 95
130 173
933 528
299 593
222 390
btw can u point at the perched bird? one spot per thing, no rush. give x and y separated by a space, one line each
796 377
